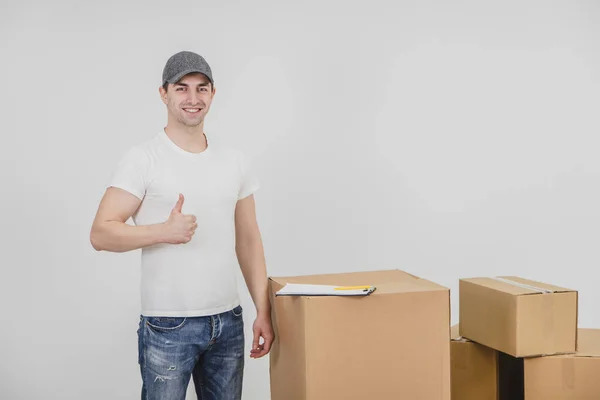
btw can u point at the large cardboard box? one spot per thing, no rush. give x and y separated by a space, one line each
474 369
392 344
562 377
517 316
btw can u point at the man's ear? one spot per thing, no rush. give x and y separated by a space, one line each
163 94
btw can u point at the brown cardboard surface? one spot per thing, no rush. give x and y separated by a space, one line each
511 288
554 288
474 369
516 320
561 377
547 324
387 281
392 344
487 316
588 343
287 361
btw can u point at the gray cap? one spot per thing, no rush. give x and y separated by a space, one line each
183 63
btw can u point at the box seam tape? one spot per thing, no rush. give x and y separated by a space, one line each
523 285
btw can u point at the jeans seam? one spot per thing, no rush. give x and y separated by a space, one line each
144 355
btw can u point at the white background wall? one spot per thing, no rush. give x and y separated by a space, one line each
447 139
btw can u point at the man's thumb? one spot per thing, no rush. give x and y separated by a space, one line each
177 208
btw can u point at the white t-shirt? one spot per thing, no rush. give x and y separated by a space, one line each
199 277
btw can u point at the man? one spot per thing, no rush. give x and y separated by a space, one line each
193 207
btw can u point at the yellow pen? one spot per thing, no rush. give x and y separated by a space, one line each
352 287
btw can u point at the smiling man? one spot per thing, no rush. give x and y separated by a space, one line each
193 207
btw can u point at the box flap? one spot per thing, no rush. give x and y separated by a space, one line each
386 281
517 286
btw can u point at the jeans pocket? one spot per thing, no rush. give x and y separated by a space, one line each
166 323
237 311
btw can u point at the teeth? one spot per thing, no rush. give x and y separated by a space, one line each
192 109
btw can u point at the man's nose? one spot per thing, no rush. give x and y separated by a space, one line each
193 97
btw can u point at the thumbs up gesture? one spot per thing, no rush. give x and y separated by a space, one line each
179 228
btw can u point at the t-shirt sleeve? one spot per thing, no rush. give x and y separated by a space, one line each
130 173
249 182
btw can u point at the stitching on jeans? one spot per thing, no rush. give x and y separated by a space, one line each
144 357
234 313
167 329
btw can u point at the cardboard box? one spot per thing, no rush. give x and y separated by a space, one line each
474 369
517 316
392 344
563 377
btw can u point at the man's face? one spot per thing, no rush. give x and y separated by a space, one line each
188 100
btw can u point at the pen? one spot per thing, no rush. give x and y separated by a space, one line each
352 287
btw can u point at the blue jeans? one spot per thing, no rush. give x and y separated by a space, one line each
209 349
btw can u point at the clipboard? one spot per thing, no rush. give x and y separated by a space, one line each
297 289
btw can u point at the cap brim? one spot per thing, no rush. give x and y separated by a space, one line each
180 75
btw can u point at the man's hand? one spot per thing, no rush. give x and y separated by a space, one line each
262 328
179 228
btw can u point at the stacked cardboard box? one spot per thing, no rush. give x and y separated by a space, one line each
474 369
516 340
574 377
517 316
392 344
527 331
482 373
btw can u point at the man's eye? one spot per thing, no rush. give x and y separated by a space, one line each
179 88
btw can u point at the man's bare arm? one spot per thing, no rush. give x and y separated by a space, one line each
110 232
250 254
249 249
